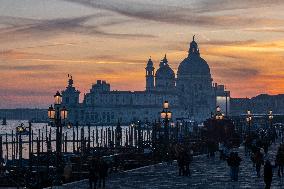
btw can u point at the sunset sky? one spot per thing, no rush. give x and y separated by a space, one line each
41 41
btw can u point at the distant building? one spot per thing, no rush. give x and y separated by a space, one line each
260 104
190 94
223 99
35 115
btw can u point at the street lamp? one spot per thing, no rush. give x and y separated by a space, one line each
218 109
166 105
166 115
57 115
219 115
248 119
270 117
57 98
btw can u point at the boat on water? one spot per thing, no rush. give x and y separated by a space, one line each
22 130
4 121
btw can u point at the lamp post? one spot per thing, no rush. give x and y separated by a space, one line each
270 117
219 115
248 119
166 115
58 114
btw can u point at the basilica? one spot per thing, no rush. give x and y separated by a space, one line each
190 92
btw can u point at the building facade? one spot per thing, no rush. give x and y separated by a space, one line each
260 104
190 92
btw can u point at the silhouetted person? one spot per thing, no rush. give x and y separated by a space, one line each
234 162
180 160
280 160
67 172
230 163
103 170
187 161
268 174
258 159
93 173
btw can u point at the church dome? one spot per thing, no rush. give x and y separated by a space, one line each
193 64
165 71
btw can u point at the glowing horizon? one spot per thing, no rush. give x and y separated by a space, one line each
41 42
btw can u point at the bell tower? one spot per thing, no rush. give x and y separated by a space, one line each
70 96
150 75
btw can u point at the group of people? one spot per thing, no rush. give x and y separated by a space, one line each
98 171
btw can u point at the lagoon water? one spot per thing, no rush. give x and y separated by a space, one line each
12 124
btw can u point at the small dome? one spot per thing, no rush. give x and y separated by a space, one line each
165 71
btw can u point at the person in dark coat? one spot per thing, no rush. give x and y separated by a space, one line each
187 161
258 159
280 160
234 162
268 174
180 160
103 170
230 160
93 173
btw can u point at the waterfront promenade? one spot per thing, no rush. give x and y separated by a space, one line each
206 173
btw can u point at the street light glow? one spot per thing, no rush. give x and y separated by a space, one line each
57 98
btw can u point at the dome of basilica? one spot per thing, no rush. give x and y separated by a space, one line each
193 64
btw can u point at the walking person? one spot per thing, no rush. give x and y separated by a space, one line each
268 174
230 160
93 173
280 160
258 159
235 165
103 171
180 160
187 161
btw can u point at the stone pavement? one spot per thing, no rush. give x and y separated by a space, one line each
205 173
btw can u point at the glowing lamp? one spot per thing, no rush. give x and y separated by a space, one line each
218 109
63 113
248 119
249 112
51 112
169 114
166 105
163 114
57 98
